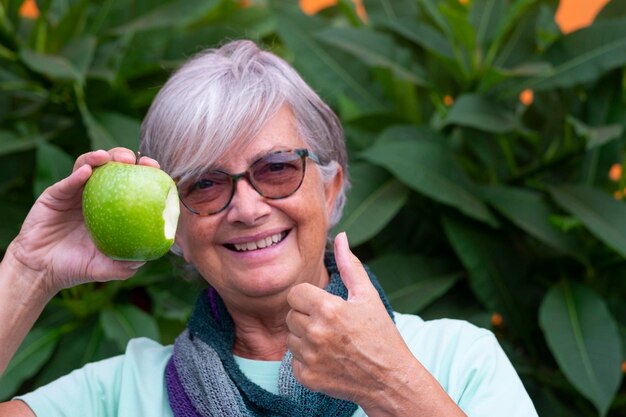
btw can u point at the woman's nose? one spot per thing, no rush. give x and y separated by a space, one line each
247 205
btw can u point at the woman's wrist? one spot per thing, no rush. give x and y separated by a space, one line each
410 390
23 297
25 280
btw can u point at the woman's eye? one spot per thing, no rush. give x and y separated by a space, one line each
203 184
276 166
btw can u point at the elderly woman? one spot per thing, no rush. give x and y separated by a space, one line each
287 327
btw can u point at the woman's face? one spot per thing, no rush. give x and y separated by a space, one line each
248 278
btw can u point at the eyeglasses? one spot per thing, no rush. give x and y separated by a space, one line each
274 176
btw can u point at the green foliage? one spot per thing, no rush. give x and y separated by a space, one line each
465 201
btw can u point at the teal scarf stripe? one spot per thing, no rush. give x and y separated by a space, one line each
218 332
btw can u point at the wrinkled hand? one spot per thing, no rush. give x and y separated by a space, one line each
54 244
346 349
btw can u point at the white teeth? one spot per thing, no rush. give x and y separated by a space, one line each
261 243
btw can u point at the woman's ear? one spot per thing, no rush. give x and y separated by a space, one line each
332 189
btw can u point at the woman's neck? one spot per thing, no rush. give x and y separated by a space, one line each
260 337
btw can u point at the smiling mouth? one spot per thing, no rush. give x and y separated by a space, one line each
258 244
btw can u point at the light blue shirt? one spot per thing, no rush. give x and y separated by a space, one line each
467 361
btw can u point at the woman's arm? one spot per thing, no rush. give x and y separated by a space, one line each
54 251
15 408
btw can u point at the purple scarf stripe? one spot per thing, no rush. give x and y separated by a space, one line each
179 401
212 294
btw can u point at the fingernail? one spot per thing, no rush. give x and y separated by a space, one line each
136 265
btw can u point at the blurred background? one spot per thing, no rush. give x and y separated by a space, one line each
486 142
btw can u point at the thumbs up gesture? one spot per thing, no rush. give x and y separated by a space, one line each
348 349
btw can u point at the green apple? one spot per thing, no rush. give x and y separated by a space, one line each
131 211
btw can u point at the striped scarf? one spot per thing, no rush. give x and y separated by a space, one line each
204 380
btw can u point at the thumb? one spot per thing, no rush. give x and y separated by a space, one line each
351 269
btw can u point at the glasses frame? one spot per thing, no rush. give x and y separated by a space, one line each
302 153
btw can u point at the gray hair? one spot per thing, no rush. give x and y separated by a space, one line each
221 98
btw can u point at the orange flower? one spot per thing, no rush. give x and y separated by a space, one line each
618 195
496 320
245 3
29 10
526 97
624 367
615 173
448 100
572 15
464 1
360 10
311 7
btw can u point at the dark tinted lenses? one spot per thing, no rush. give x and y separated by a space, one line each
277 175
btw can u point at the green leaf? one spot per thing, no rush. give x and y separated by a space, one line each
123 130
331 72
176 13
422 35
412 282
496 271
429 168
584 338
100 137
596 136
375 49
512 30
390 10
583 56
79 53
430 8
600 213
485 16
34 351
126 322
12 215
10 143
55 67
480 113
53 164
374 200
529 211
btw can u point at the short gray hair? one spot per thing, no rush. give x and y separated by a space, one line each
222 98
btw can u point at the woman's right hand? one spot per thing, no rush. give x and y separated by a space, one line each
54 245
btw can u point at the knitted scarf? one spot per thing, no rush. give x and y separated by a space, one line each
204 380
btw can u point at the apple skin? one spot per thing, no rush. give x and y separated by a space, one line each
123 208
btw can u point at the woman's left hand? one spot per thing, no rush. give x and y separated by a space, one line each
348 349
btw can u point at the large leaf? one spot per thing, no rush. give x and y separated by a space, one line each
175 13
413 282
485 16
75 349
10 142
374 199
480 113
123 323
53 164
598 211
123 130
421 34
375 49
529 211
582 56
55 67
79 53
332 72
34 351
429 168
496 270
585 341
